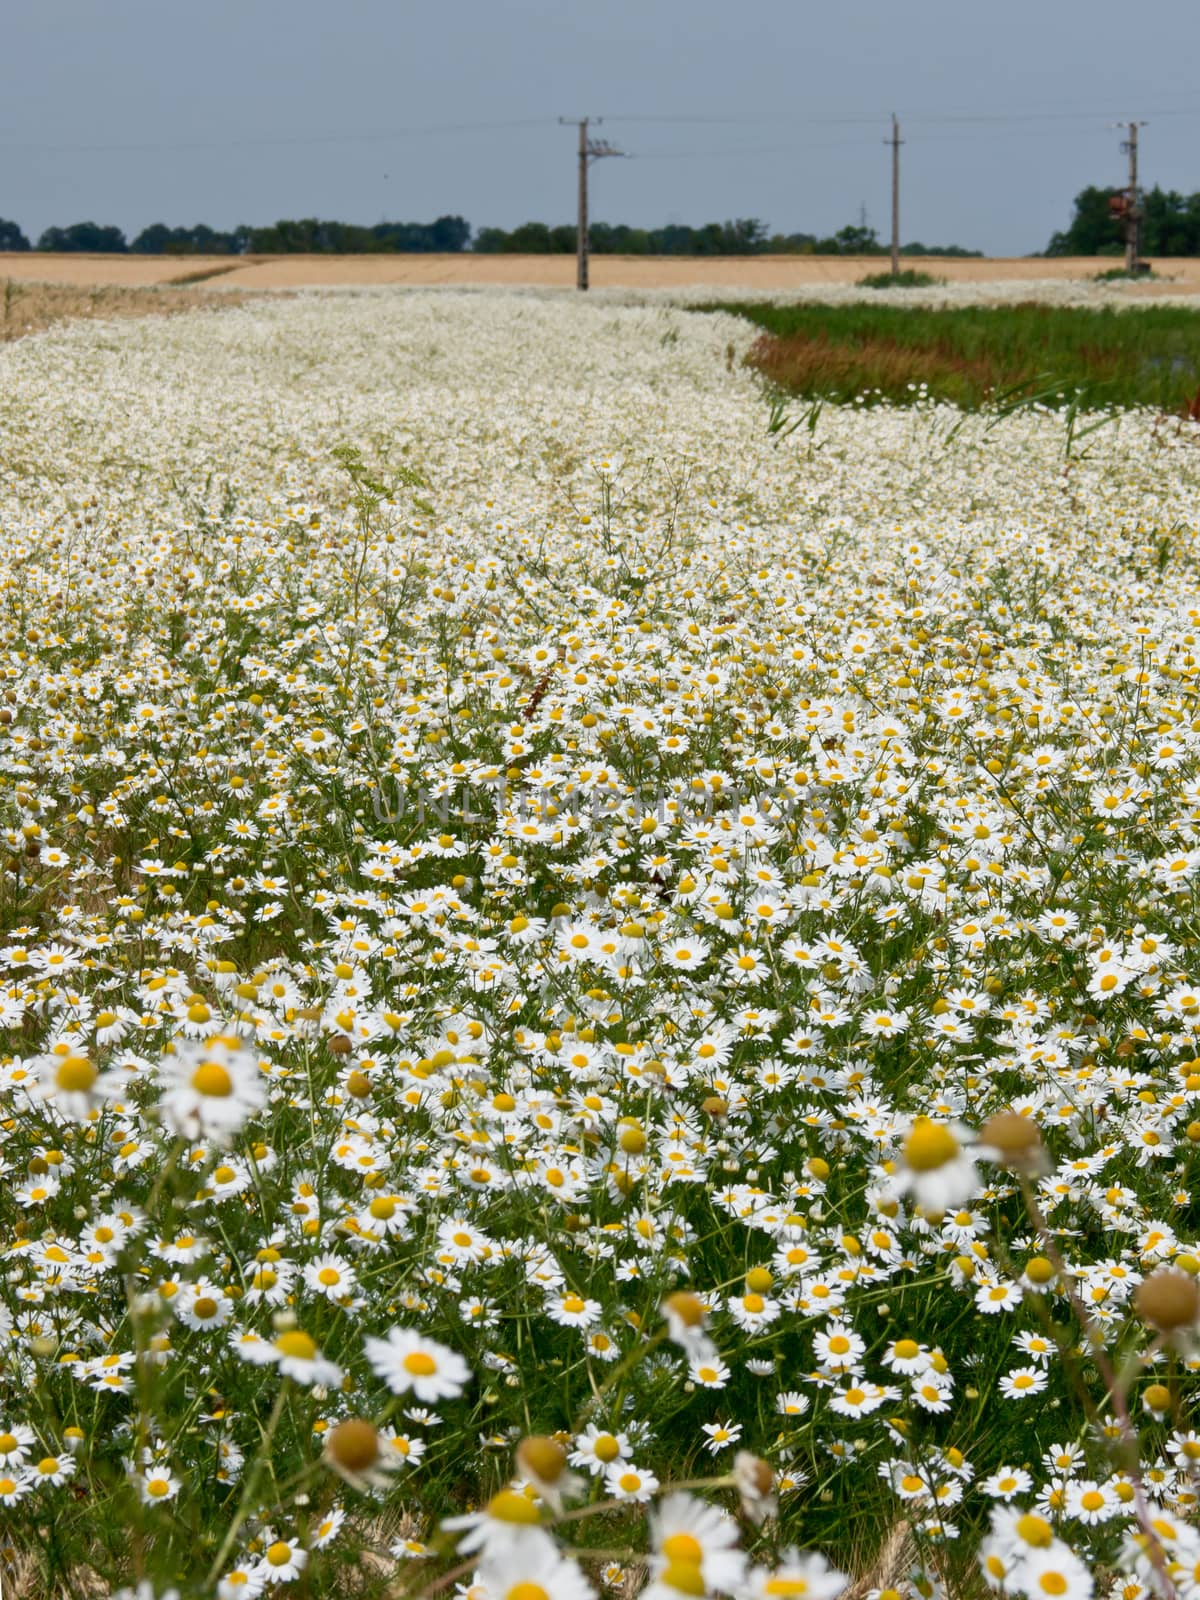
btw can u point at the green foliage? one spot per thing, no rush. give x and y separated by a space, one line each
90 236
1170 225
11 237
909 278
1147 356
310 237
746 236
1122 275
159 240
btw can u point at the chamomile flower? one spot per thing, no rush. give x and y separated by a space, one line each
936 1167
16 1443
282 1561
210 1089
533 1571
410 1363
685 1530
624 1481
807 1575
596 1449
1023 1382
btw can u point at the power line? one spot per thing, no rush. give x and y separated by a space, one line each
283 141
735 151
427 130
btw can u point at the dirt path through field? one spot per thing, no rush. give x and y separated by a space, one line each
28 306
744 273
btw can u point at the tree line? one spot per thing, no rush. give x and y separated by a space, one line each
745 237
308 236
1170 226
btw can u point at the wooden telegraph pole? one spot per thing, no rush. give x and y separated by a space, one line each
589 150
895 141
1133 209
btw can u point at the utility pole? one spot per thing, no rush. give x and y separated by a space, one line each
589 150
895 141
1133 209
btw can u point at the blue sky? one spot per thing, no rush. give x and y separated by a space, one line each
232 111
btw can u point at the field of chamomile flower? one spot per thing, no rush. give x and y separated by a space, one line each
599 982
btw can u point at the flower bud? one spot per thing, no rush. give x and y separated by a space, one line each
353 1445
1168 1300
1012 1141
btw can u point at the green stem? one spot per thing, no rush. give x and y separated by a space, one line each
252 1478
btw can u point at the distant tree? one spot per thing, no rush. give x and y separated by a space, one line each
92 236
1093 230
11 237
159 240
791 244
745 237
154 240
673 240
1170 223
531 238
311 236
853 240
450 234
918 249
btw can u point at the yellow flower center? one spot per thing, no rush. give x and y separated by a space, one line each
930 1145
683 1547
683 1576
420 1365
542 1457
509 1506
211 1078
605 1447
688 1307
279 1554
296 1344
205 1307
75 1075
1034 1530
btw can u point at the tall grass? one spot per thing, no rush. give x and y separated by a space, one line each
1145 357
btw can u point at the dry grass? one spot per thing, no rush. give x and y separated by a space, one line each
759 273
819 365
33 307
